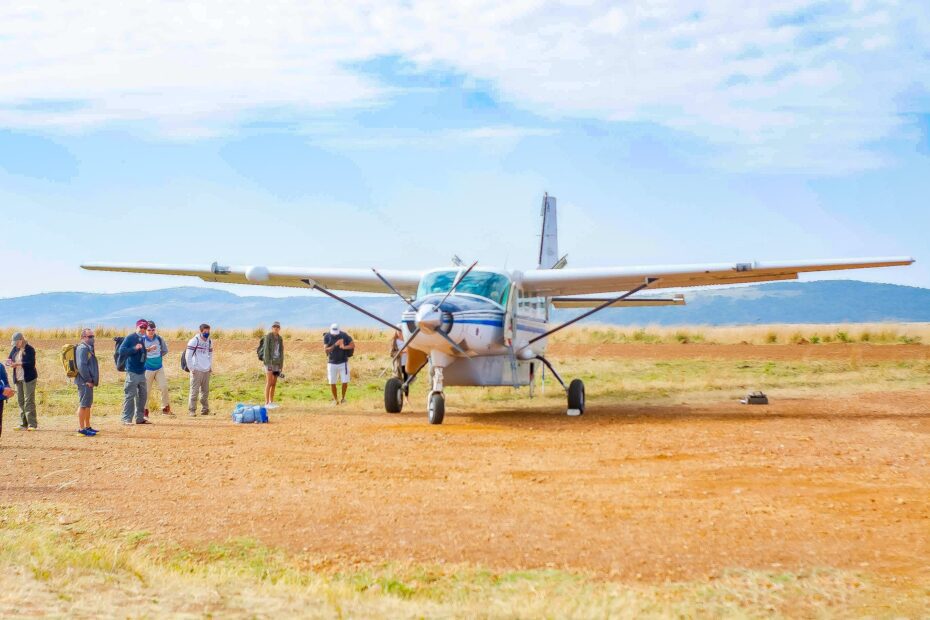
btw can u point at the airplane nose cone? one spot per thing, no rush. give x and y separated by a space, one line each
428 318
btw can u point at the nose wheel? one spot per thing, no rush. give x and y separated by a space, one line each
437 408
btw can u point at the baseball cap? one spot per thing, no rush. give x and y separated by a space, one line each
334 329
276 324
142 323
17 337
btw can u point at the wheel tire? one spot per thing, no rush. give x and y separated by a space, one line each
437 408
576 395
393 395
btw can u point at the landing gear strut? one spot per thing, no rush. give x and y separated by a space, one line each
574 390
436 405
396 389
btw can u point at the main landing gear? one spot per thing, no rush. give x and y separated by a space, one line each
395 390
574 390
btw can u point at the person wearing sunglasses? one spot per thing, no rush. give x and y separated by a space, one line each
155 351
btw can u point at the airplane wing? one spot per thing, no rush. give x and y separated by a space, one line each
582 281
362 280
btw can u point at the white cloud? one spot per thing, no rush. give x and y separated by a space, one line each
784 85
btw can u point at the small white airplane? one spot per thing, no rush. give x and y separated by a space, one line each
489 327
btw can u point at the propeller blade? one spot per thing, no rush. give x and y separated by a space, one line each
455 284
453 343
413 335
391 286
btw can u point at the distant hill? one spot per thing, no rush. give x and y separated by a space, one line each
833 301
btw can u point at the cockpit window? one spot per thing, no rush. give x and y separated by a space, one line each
493 286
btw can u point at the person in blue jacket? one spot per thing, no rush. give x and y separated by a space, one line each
6 391
132 354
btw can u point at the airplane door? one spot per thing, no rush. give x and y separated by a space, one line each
510 321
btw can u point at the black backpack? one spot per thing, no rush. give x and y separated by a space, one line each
260 351
120 363
184 360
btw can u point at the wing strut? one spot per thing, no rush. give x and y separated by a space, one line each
317 287
593 310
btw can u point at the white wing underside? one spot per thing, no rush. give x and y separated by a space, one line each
362 280
535 283
556 282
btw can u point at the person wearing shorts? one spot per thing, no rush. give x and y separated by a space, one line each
273 358
338 346
88 377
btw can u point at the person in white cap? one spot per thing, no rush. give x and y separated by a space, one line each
339 347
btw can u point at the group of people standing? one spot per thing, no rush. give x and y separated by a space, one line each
141 355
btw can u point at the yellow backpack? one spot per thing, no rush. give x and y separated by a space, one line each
69 360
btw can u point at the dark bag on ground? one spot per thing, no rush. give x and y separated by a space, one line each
755 398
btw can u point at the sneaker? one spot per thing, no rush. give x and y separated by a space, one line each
204 413
22 427
125 423
83 432
334 402
143 421
342 402
270 406
33 428
166 411
92 430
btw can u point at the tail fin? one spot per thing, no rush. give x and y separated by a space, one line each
549 237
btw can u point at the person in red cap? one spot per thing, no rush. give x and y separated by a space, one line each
132 354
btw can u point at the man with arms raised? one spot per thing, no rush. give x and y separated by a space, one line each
339 347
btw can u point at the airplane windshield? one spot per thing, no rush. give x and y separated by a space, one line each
493 286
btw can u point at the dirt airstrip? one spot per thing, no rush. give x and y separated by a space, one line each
647 492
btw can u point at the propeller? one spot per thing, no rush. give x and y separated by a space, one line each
393 289
437 329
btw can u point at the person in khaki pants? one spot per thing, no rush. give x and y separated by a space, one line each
22 363
155 351
199 355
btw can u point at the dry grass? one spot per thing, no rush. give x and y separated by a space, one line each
239 378
55 562
874 333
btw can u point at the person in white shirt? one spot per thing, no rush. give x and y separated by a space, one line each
199 357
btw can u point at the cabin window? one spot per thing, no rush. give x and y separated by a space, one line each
493 286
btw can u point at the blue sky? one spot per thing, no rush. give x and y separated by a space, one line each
394 135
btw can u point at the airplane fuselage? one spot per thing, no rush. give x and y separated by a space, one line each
493 325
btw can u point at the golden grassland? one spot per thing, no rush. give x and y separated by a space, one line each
54 562
873 333
238 375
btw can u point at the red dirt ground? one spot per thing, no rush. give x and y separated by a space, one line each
636 491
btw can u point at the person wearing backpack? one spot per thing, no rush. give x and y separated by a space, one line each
87 378
273 357
131 353
155 350
339 347
22 362
199 358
